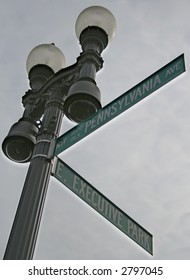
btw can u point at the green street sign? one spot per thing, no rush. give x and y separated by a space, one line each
121 104
89 194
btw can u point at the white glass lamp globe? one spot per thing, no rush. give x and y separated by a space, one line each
46 54
96 16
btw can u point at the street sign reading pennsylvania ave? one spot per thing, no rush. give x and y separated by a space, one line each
102 205
120 104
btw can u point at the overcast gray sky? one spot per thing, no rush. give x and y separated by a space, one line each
140 160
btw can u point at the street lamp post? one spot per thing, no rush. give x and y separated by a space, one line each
55 91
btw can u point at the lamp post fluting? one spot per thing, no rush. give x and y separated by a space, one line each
55 91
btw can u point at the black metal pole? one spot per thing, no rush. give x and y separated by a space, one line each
23 236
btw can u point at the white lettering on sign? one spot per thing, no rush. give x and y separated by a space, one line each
120 104
138 235
103 206
110 212
172 69
59 170
97 201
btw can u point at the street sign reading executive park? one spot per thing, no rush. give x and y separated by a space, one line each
78 185
121 104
